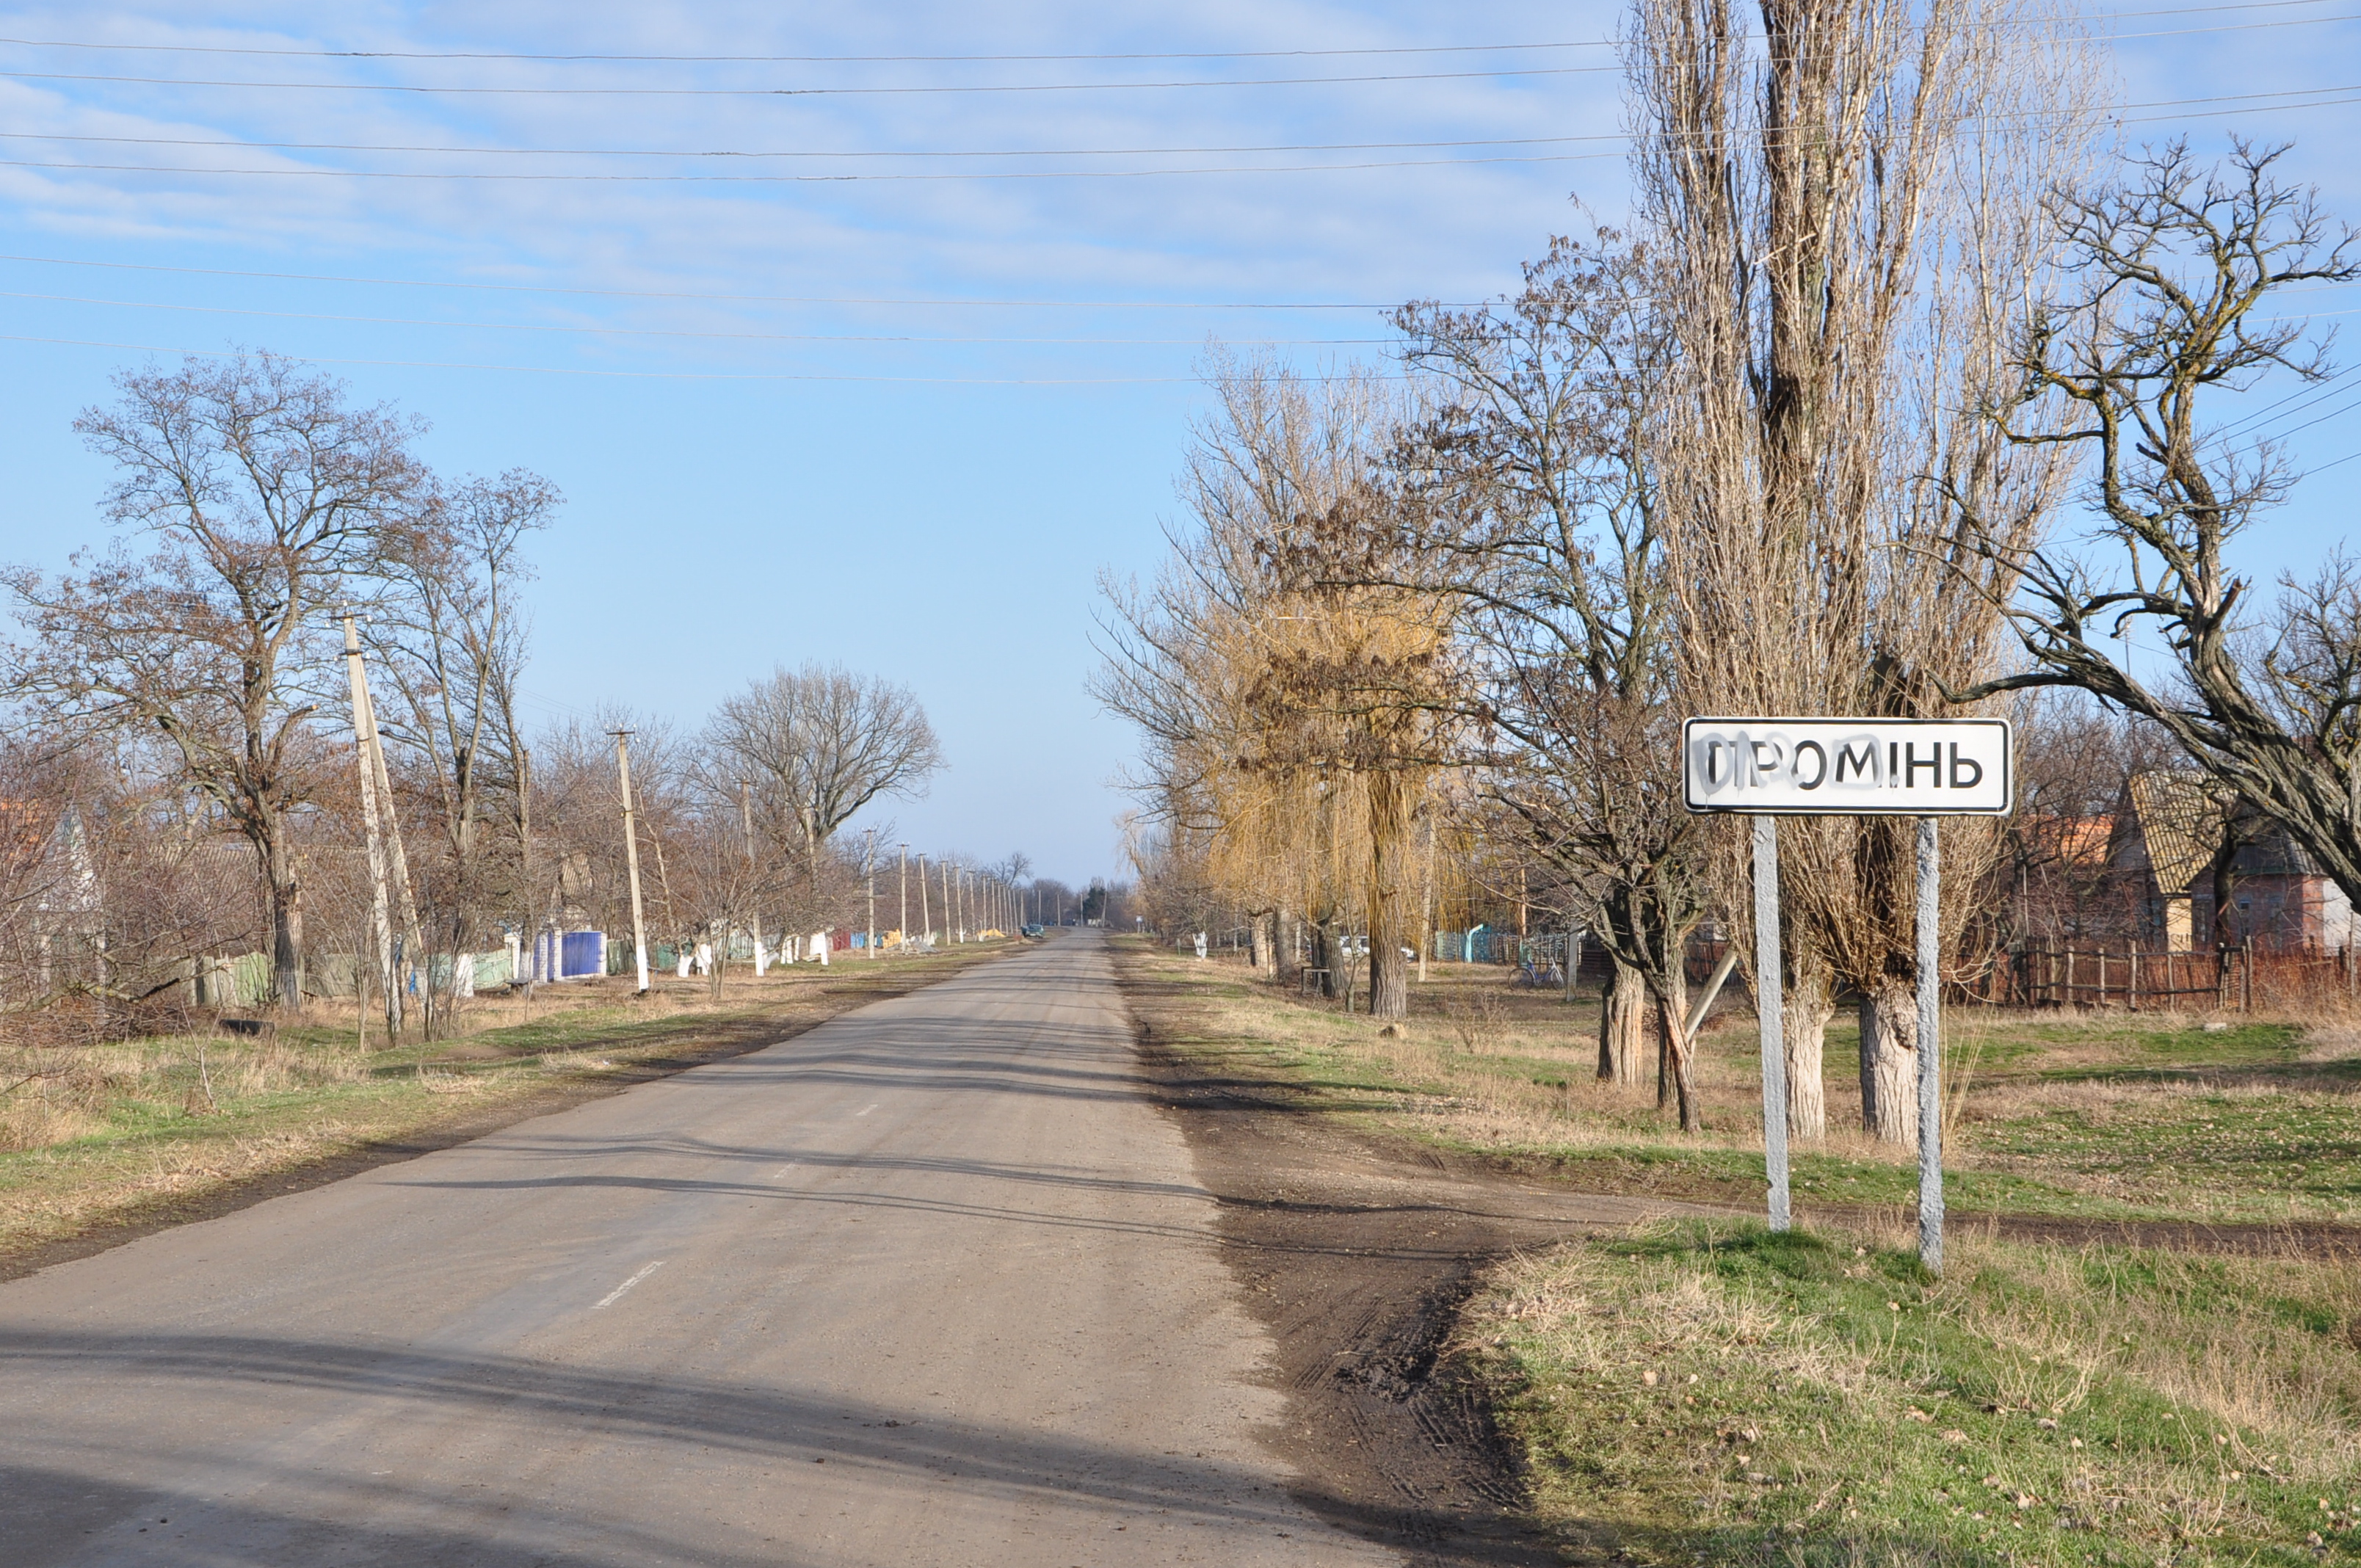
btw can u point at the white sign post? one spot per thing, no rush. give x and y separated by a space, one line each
1770 768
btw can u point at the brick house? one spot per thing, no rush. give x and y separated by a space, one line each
2181 848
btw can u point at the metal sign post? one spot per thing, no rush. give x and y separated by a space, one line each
1770 767
1770 1003
1930 1052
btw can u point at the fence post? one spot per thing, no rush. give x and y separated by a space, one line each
2246 976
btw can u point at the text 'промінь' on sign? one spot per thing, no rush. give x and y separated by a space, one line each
1854 767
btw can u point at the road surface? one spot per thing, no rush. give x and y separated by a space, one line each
931 1284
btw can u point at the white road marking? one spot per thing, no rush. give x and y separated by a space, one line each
781 1174
617 1293
859 1113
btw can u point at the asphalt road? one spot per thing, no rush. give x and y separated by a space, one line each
932 1284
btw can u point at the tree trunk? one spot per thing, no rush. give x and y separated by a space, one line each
1889 1092
1804 1024
1325 956
1622 1023
286 895
1259 924
1674 1049
1389 978
1389 834
1283 925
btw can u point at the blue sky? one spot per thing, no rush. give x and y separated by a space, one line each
898 410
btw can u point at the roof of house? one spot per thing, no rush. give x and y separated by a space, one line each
2180 822
2076 840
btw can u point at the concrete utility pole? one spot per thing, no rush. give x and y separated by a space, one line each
925 918
868 854
1425 919
755 916
902 925
414 945
632 856
373 751
381 901
950 919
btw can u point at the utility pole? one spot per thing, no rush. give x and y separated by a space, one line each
950 919
373 746
632 856
414 945
755 914
363 726
925 917
869 855
904 923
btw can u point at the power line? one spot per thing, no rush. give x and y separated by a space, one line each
981 58
966 89
654 375
498 177
799 153
2312 395
963 89
659 332
2318 419
839 59
2252 101
724 299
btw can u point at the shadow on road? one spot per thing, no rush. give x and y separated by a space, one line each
501 1394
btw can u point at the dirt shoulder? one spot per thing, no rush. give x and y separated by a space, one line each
1356 1252
265 1169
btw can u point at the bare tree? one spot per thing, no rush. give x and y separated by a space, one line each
2174 261
819 743
1845 210
1535 471
256 490
1284 681
453 638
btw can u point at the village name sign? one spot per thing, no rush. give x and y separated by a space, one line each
1767 768
1847 767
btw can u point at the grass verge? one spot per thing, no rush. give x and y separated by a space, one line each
2102 1118
1714 1394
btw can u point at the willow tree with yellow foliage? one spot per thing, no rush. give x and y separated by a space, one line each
1290 709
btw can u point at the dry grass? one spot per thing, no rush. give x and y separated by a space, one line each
2108 1116
1693 1395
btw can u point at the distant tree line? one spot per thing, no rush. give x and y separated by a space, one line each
180 779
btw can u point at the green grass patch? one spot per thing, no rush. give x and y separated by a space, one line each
1706 1395
2104 1117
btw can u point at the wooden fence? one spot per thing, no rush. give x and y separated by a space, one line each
2232 978
2133 978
